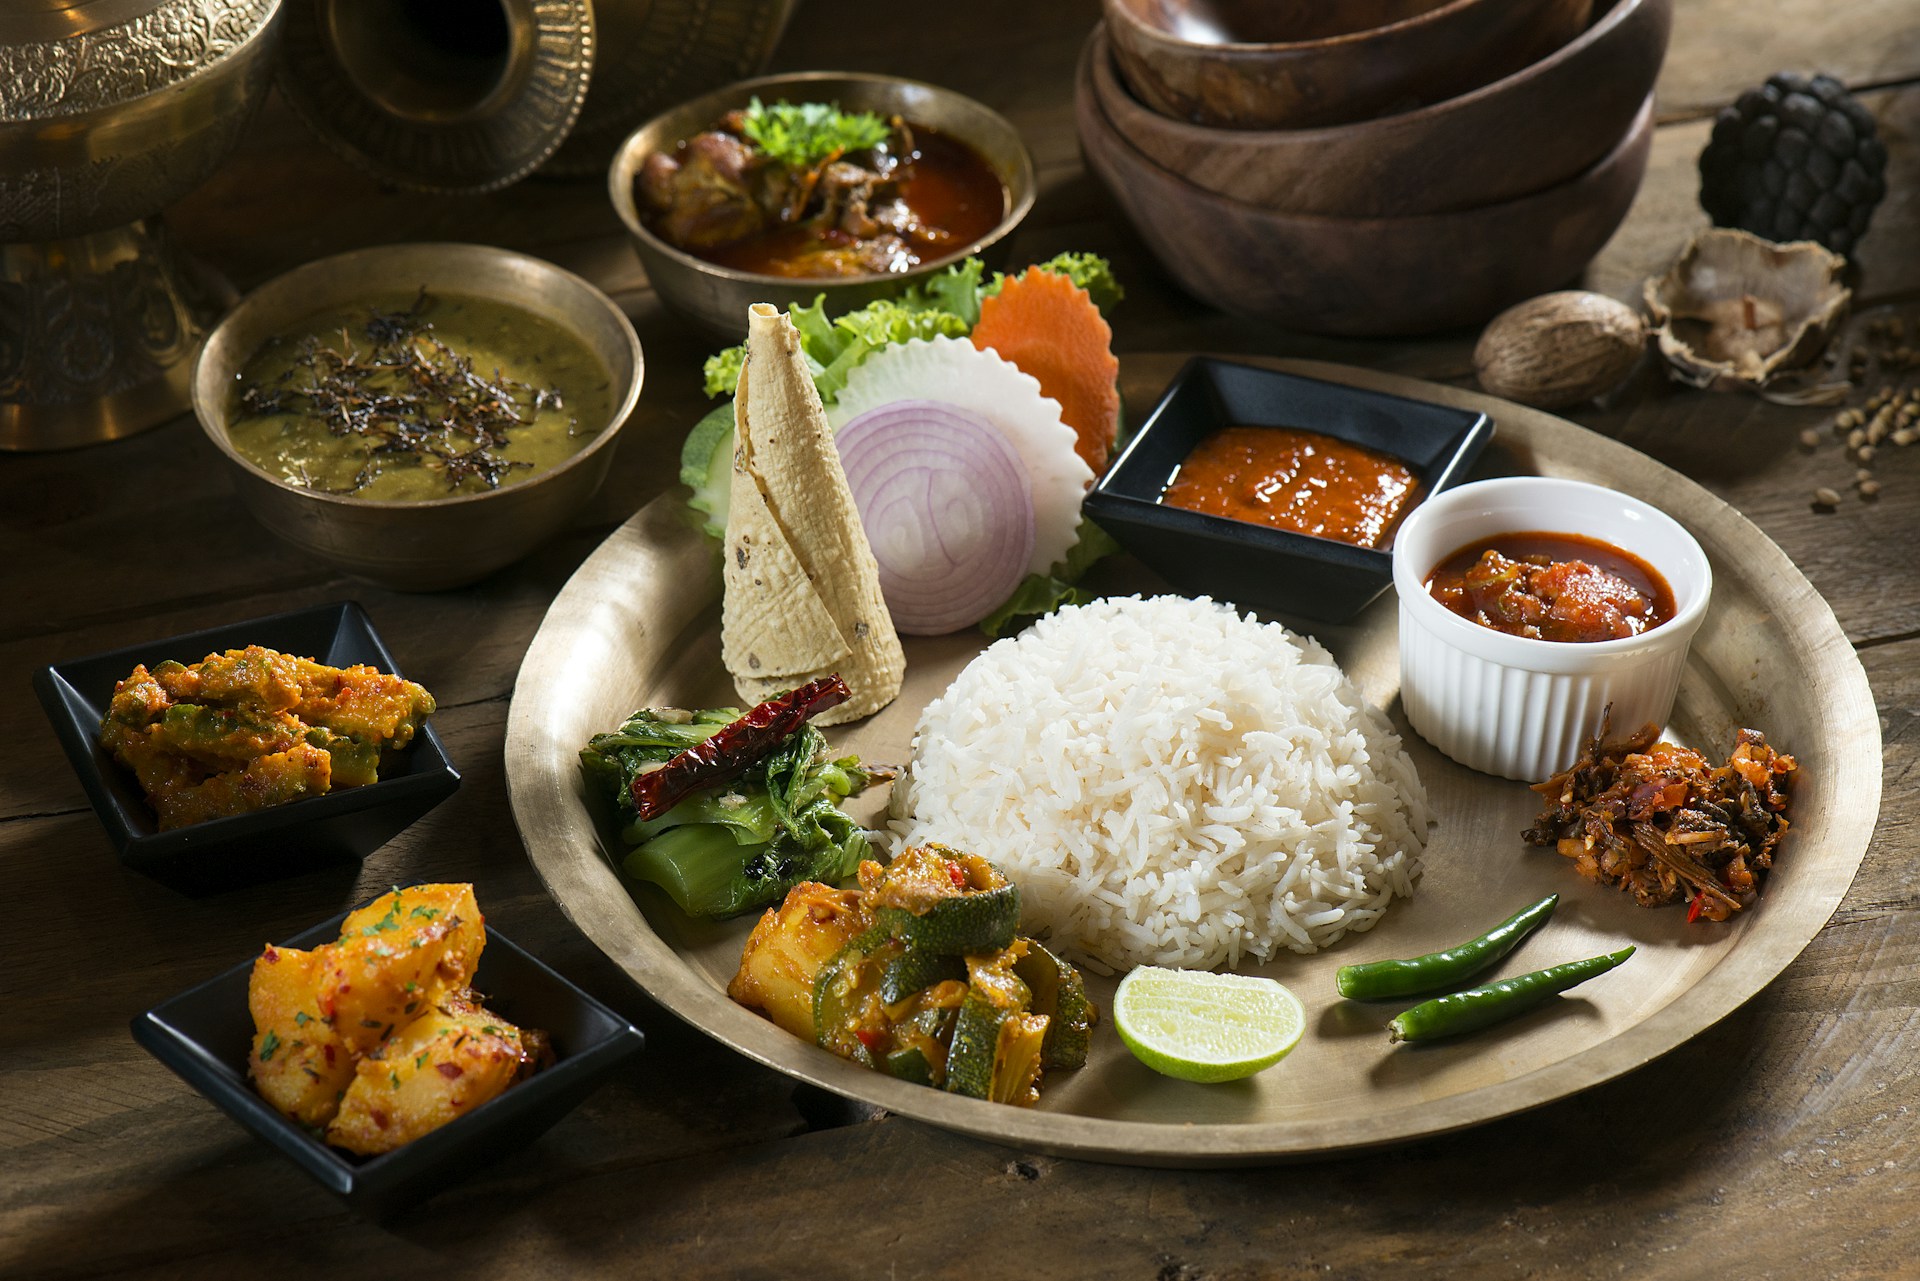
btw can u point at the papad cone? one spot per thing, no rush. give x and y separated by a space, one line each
802 590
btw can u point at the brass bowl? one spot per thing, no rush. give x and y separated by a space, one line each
443 542
718 297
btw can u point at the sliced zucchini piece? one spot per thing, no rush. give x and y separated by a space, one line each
995 995
941 901
910 1064
1061 994
845 989
1017 1060
916 969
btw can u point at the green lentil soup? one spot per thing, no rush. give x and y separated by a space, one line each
412 397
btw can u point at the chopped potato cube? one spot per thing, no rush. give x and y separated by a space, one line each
398 955
787 948
298 1064
441 1066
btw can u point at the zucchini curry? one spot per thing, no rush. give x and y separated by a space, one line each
919 973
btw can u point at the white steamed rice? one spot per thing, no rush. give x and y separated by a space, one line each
1170 783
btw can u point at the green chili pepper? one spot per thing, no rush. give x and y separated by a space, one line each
1479 1007
1382 980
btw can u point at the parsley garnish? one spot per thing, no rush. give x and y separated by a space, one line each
424 912
419 1061
391 921
395 1078
300 1018
801 135
268 1045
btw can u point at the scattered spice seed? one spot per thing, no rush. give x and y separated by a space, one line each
1825 497
1810 438
1864 453
1856 438
1869 488
1862 475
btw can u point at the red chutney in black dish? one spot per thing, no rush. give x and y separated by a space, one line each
1555 587
1300 481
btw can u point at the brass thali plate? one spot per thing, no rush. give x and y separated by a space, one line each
638 624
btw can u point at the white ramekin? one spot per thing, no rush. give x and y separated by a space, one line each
1512 705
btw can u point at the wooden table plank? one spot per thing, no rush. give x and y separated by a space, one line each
1780 1143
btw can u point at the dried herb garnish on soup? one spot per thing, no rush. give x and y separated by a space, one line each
416 397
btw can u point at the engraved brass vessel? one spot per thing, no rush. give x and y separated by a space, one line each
470 95
110 110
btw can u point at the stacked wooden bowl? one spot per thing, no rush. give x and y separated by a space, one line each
1279 180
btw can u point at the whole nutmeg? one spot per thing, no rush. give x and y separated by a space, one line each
1559 349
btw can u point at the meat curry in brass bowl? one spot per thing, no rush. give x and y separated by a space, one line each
787 187
809 190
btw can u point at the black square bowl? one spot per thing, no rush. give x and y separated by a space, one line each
1254 565
222 853
206 1033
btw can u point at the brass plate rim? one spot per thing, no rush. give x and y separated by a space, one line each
544 793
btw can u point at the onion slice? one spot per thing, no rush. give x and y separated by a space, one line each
947 506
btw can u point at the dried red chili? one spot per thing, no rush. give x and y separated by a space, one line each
730 751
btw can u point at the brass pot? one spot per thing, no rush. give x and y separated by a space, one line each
111 110
470 95
444 542
718 297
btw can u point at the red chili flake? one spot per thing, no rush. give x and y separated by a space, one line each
730 752
1696 907
452 1071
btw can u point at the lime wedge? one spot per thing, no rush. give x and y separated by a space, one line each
1206 1027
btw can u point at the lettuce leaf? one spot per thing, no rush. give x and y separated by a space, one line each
1089 271
945 305
1041 594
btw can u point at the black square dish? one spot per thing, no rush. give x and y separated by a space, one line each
1254 565
345 825
206 1033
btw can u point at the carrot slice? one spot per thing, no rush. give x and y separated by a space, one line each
1048 327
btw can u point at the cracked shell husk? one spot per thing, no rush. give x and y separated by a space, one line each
1735 312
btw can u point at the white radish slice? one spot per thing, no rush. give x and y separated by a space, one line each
945 504
954 372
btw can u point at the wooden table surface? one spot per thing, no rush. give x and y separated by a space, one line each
1784 1141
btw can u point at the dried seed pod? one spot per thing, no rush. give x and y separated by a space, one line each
1864 453
1869 488
1904 437
1863 474
1559 349
1849 418
1826 497
1810 438
1856 438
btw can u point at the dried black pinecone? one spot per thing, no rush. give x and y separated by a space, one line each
1795 159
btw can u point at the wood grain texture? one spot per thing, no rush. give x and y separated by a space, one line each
1781 1143
1276 72
1553 118
1363 276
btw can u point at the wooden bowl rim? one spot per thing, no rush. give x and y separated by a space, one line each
1615 16
1642 123
1326 44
